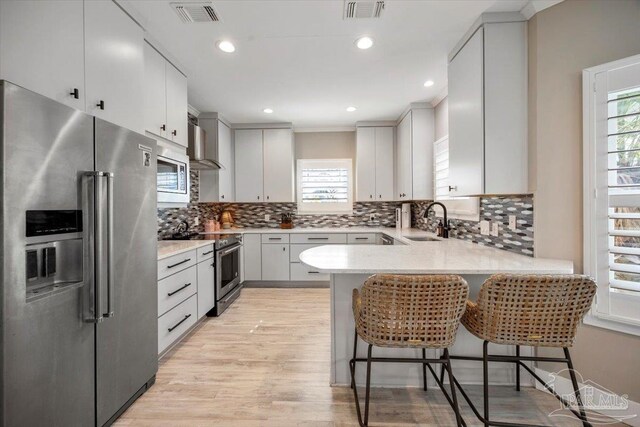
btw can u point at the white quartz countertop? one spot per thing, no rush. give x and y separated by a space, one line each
167 248
444 256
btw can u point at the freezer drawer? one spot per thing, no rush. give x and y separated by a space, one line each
173 264
302 272
176 288
176 322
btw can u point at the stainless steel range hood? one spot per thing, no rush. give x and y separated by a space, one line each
203 152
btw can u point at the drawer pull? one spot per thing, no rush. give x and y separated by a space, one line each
314 272
213 264
362 238
179 289
317 238
208 252
275 238
178 263
179 323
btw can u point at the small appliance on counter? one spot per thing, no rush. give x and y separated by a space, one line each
227 220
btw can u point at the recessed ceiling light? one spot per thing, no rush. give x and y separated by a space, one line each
351 109
364 42
268 110
428 83
226 46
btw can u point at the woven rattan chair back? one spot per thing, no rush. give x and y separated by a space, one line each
534 310
410 311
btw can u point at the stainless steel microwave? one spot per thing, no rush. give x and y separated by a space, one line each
173 177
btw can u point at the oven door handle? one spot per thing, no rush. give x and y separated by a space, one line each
228 251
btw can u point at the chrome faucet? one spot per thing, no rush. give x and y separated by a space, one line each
446 227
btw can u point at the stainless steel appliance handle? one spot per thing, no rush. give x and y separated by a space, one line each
93 190
110 260
231 249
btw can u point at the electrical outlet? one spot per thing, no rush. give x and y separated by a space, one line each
495 229
484 228
513 226
196 221
267 217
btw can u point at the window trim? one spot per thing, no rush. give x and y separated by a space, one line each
330 209
597 316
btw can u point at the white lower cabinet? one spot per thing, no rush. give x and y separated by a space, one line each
275 261
252 248
304 273
174 289
206 287
176 322
362 239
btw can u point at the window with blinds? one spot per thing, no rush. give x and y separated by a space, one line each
611 223
324 186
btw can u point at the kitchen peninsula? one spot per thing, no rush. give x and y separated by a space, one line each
349 266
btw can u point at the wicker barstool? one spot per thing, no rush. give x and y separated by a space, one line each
529 310
408 312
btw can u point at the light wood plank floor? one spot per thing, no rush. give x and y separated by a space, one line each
265 362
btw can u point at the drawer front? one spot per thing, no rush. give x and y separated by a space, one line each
176 288
275 238
172 265
320 238
304 273
361 238
297 249
205 252
176 322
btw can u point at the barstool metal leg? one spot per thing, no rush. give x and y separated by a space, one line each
424 370
368 389
576 390
485 381
518 369
452 384
355 348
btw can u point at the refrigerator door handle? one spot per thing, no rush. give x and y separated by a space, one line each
110 261
94 239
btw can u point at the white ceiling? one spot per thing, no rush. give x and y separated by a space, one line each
299 58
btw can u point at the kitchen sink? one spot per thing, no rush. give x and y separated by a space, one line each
423 239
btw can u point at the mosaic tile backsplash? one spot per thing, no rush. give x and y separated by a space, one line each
365 214
493 209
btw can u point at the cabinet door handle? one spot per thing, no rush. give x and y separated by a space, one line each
284 248
178 263
100 104
174 133
371 196
207 253
179 323
163 127
380 196
75 93
169 294
453 188
267 197
222 196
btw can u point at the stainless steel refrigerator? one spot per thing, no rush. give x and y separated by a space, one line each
78 300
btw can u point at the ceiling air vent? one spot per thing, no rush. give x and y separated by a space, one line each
196 12
363 9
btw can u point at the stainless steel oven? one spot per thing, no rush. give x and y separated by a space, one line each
227 268
173 177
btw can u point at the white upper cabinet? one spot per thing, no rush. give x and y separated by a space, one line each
384 163
177 106
114 65
155 106
42 48
249 165
217 185
414 154
404 164
488 112
374 164
278 165
225 156
365 164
